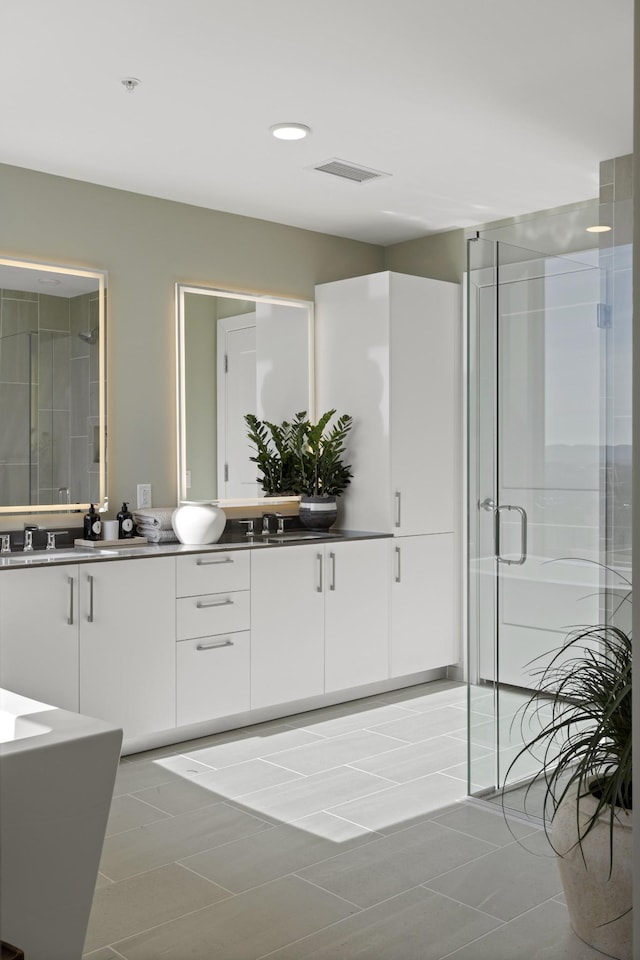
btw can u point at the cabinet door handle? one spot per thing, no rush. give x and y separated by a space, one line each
332 585
90 617
203 604
320 586
210 563
398 507
70 617
398 566
215 646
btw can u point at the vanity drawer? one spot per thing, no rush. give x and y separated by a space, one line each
213 677
213 613
212 572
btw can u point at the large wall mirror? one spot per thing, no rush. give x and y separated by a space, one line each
237 353
52 388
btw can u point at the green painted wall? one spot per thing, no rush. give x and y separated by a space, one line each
147 245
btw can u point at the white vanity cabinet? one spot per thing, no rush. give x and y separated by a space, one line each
39 634
320 619
387 349
213 637
424 621
127 643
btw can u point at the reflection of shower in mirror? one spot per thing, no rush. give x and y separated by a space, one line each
89 336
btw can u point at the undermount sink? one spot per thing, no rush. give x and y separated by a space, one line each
50 556
301 535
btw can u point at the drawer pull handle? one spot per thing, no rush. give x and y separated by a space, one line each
320 586
90 615
70 617
398 497
210 563
214 646
202 604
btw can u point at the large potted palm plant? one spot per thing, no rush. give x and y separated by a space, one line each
582 710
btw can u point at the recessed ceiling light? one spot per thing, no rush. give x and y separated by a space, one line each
130 83
290 131
598 229
49 280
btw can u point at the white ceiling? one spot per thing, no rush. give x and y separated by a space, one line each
479 109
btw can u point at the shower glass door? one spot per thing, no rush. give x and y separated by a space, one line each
537 329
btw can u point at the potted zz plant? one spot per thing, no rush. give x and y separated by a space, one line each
275 456
300 457
582 709
321 474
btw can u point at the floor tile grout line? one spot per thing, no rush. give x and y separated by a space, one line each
268 826
164 923
183 866
336 923
146 802
318 886
88 956
460 903
503 923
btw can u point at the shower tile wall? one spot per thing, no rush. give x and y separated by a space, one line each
18 315
47 377
616 191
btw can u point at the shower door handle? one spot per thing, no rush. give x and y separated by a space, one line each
523 534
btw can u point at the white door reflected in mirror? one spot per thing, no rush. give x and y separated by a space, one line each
237 354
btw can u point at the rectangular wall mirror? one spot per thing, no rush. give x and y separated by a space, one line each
237 353
52 388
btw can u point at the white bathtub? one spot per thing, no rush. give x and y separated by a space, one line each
57 771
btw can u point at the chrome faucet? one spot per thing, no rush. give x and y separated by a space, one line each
28 540
51 538
248 524
6 543
266 528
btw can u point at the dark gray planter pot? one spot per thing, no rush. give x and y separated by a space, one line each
318 513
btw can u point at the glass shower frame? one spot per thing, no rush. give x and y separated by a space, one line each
532 321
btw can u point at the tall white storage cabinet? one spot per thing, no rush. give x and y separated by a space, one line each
387 349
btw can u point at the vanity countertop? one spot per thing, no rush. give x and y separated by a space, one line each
67 555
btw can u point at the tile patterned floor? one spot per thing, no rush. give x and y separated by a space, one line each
338 834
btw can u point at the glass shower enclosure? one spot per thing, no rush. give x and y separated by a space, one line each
547 481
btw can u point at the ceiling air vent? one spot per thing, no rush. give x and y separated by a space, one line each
349 171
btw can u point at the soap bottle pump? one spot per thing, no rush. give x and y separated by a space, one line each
125 523
92 524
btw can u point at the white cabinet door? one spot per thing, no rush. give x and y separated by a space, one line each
213 677
127 643
287 624
424 403
388 354
39 634
356 613
424 627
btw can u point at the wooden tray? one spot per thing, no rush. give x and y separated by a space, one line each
126 542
